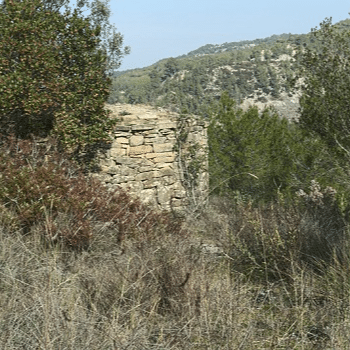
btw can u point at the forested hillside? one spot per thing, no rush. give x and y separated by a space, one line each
264 264
255 72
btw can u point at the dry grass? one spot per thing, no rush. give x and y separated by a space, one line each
234 277
162 294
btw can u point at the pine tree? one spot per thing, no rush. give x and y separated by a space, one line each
325 100
251 153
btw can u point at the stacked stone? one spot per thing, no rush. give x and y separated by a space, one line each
143 160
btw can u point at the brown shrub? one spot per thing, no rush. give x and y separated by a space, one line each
41 186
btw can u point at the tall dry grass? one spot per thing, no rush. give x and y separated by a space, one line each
171 293
234 277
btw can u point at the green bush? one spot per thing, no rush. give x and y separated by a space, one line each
324 68
250 153
52 76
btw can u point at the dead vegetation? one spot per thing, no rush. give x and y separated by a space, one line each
234 277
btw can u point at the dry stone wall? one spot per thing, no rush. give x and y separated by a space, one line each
153 156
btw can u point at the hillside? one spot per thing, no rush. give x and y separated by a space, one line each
238 45
181 234
252 72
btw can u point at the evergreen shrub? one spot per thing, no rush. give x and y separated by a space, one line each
52 76
260 156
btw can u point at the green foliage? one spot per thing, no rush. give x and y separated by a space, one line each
248 152
262 156
99 13
262 76
170 68
325 100
52 76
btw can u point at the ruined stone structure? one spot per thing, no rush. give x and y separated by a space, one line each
158 156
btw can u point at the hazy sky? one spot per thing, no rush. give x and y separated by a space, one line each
157 29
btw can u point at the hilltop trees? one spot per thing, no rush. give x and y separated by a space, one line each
53 74
170 68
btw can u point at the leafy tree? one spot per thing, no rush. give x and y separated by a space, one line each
99 13
267 55
155 78
262 76
325 100
52 75
274 82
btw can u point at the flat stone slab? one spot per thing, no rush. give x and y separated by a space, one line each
163 147
141 149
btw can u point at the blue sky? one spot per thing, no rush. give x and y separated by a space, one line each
157 29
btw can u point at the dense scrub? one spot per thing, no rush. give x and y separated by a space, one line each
40 186
237 280
260 156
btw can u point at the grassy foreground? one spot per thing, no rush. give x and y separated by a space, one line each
168 293
101 271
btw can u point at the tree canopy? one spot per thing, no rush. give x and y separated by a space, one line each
98 12
325 100
53 75
252 153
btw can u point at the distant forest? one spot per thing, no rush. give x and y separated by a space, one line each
260 69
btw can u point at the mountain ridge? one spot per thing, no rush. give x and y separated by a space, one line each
253 72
